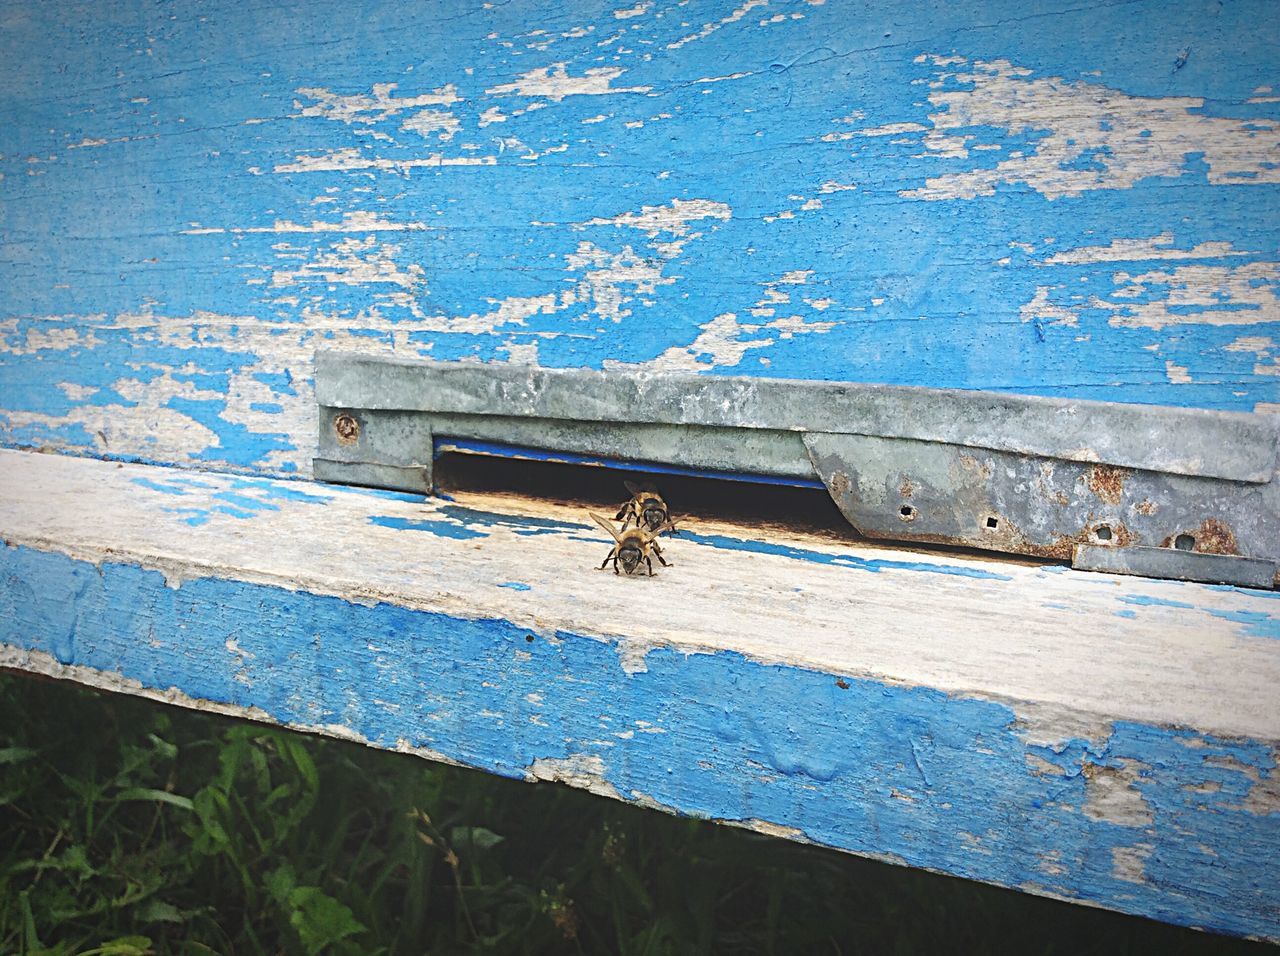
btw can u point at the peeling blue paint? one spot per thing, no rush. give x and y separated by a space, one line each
165 487
1260 624
444 529
244 502
284 492
1143 600
829 251
873 565
853 763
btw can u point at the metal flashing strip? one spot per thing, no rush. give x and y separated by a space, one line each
1182 441
1019 474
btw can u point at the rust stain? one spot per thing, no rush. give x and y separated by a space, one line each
1146 507
347 429
1064 545
1107 482
981 467
906 489
1212 537
839 484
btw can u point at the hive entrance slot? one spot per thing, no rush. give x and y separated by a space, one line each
755 500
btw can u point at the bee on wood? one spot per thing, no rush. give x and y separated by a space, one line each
632 546
645 509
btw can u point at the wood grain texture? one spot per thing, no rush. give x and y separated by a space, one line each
1083 736
1051 198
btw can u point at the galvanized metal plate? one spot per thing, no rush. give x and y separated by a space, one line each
1045 477
1176 564
924 491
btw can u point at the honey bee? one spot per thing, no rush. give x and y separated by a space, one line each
645 509
632 546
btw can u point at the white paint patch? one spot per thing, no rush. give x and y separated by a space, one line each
1195 295
584 771
721 343
612 280
1041 307
435 123
889 129
1217 295
1098 137
776 830
359 221
76 392
353 261
554 83
1141 250
1258 345
672 218
369 108
349 158
51 338
1177 374
1111 794
639 10
1129 863
721 79
710 28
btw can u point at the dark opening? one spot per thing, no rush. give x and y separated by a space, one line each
1103 533
1184 542
599 485
993 522
906 511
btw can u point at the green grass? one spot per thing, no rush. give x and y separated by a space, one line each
129 827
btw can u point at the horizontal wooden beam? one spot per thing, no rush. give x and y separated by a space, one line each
1095 738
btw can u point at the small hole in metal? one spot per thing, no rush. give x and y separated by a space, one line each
528 638
1103 533
1184 542
993 522
346 428
907 511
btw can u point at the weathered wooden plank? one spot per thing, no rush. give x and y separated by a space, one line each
1091 737
1061 199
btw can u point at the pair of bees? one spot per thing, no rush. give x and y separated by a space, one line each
633 546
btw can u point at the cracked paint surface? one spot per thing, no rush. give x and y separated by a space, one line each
896 772
986 727
1061 200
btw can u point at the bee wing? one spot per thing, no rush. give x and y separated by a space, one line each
604 523
632 487
651 536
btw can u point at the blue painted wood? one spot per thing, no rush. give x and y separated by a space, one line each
906 774
1041 197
